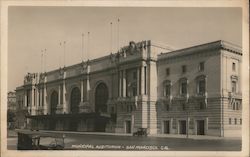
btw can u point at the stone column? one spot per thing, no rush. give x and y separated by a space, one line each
120 83
88 84
25 98
45 105
88 88
142 80
32 100
81 90
59 95
65 110
45 100
124 84
138 82
37 99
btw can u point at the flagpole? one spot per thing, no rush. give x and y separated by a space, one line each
87 54
118 21
45 60
111 37
64 53
42 61
82 45
60 58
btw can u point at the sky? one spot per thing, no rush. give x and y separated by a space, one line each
33 29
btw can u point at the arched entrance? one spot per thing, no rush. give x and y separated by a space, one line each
53 104
75 98
101 98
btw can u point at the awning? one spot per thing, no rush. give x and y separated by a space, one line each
70 115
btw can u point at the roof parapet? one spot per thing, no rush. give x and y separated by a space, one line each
220 44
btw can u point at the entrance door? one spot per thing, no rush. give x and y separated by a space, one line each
52 124
182 127
73 124
101 98
200 127
166 127
75 99
53 102
128 126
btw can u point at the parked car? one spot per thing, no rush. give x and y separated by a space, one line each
141 132
35 140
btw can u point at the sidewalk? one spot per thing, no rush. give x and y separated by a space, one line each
195 137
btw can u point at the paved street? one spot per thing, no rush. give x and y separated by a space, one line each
110 142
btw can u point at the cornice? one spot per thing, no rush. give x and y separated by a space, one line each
208 48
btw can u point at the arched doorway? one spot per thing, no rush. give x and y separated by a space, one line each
53 105
75 99
101 98
53 102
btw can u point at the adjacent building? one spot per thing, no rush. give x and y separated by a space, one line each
196 90
11 101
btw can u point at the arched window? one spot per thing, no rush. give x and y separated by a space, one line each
75 99
53 102
101 98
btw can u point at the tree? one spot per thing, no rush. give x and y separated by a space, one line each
11 116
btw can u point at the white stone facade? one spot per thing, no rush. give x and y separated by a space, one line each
196 90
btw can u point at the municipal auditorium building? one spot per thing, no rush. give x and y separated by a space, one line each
196 90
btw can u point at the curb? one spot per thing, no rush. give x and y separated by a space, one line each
194 137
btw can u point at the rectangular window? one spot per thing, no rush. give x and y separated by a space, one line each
34 96
230 121
134 75
167 90
233 66
167 107
201 87
233 86
167 71
145 80
237 106
129 108
202 105
28 98
201 66
39 97
42 97
112 109
184 69
240 121
183 107
184 88
235 120
134 91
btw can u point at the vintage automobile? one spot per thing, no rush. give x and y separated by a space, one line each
141 132
35 140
